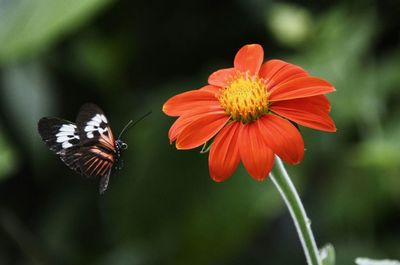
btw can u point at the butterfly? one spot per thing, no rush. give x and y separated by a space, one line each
87 146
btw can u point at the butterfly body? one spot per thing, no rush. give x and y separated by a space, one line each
87 146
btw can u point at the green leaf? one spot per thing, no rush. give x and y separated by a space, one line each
28 27
366 261
206 148
327 254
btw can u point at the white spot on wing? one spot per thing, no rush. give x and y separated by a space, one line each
66 133
89 128
103 118
103 130
61 133
68 128
94 125
97 118
62 139
66 145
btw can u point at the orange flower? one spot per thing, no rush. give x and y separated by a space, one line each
250 108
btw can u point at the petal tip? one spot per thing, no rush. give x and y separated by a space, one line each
178 146
217 179
164 109
332 128
249 58
296 162
327 129
254 46
259 178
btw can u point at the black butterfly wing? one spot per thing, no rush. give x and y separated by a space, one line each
62 137
97 144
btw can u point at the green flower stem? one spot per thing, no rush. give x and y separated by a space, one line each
289 194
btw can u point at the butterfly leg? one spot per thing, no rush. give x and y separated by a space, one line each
120 164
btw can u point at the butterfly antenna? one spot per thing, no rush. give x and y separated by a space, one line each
131 123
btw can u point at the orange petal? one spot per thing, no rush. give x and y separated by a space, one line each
188 118
300 88
181 124
276 72
211 89
186 101
302 112
249 58
318 102
178 127
256 156
201 130
224 154
221 77
282 137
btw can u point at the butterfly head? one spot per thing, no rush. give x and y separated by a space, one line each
121 145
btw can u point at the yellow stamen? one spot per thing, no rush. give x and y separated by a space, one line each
245 98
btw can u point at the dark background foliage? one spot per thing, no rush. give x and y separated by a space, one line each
162 208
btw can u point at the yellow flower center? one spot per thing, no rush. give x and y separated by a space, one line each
245 98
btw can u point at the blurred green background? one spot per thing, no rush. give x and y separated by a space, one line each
129 57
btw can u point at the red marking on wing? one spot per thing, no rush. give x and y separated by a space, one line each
100 153
103 166
107 140
98 160
90 161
